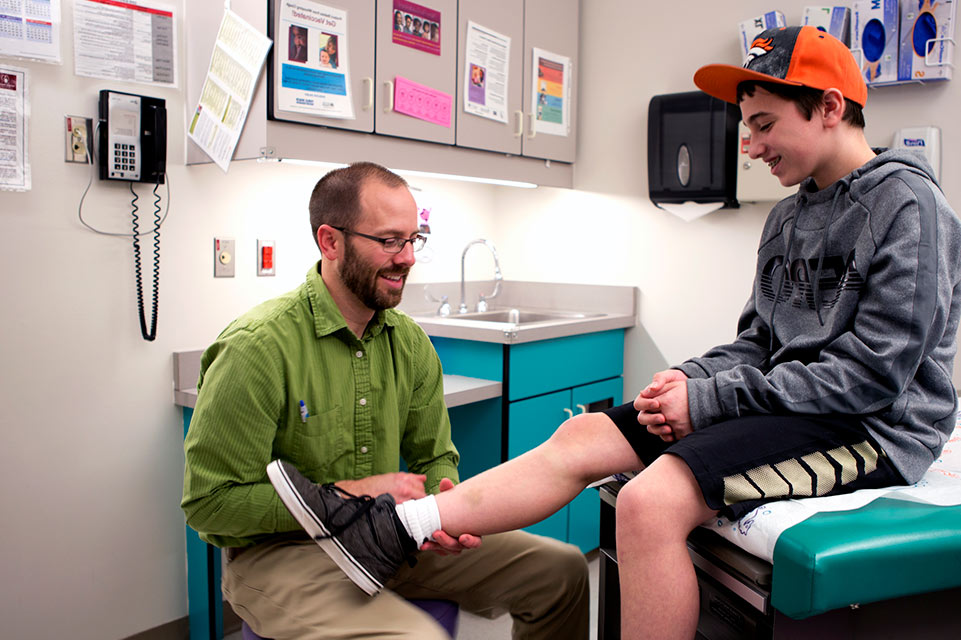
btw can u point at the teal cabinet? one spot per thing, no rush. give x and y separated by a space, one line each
545 382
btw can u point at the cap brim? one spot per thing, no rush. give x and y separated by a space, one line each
721 80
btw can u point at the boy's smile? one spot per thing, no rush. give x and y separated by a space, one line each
781 137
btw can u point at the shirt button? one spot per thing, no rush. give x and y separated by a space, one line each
363 449
363 402
360 354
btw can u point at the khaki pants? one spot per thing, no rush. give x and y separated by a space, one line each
291 589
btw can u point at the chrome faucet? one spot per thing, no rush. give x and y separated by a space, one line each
482 302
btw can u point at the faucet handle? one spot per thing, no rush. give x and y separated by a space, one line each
444 309
481 303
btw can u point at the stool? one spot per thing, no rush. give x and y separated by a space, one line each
444 611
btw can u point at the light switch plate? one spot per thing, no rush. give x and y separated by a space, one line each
224 257
266 258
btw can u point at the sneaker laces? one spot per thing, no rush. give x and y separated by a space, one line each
367 503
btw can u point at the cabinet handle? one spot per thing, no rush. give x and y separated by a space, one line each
531 131
389 97
582 408
570 414
369 92
519 129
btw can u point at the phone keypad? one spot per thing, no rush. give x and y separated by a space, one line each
124 160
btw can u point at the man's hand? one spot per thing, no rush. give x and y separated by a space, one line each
444 544
403 486
663 406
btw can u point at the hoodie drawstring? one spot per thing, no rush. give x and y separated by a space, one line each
798 203
824 244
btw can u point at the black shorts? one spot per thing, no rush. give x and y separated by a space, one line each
745 462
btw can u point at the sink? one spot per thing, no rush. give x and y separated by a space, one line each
521 316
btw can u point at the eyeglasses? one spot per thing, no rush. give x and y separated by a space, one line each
390 245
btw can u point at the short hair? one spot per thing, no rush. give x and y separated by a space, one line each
806 99
335 200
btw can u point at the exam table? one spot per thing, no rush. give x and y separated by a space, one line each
879 563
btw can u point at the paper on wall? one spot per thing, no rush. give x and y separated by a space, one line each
235 64
486 75
551 93
133 41
314 74
30 30
14 112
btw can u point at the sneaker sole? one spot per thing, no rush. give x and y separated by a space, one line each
313 526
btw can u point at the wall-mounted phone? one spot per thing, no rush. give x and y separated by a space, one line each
133 137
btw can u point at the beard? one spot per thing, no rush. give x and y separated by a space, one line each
361 279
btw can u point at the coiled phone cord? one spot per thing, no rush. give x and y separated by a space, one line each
152 334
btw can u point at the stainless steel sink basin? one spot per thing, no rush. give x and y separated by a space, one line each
521 316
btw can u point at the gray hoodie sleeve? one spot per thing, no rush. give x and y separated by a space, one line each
861 369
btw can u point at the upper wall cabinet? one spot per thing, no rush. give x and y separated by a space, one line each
414 73
399 94
288 65
547 26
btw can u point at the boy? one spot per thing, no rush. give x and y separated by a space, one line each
839 378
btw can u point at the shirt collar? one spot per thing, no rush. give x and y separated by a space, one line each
327 316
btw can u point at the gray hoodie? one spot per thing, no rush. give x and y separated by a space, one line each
862 323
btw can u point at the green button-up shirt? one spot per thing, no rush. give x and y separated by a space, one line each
367 402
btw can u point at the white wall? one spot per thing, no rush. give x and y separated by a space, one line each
91 467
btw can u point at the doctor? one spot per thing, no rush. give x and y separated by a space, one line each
331 377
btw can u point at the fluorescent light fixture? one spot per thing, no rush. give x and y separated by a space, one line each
450 176
417 174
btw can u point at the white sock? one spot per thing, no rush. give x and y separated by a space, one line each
420 517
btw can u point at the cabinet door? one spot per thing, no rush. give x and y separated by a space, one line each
504 18
415 60
583 513
356 49
550 25
532 421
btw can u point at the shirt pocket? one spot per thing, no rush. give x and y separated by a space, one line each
319 444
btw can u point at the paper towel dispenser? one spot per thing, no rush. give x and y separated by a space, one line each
692 149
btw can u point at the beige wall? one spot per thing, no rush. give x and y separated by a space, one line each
91 466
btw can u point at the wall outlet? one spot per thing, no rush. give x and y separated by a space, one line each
78 138
224 257
266 258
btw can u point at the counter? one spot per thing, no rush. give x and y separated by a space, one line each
605 307
458 390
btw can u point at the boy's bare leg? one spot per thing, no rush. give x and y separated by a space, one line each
532 486
655 513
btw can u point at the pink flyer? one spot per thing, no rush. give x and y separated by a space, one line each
422 102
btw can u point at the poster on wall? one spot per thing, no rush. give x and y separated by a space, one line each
486 75
235 65
313 70
550 95
133 41
30 29
416 26
14 109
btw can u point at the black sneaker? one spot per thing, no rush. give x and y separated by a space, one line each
362 534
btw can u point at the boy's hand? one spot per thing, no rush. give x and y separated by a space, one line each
663 406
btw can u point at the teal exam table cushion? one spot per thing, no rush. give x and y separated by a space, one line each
886 549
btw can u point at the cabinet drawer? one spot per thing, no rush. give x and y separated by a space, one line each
483 360
549 365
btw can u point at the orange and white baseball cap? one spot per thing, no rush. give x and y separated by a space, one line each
795 56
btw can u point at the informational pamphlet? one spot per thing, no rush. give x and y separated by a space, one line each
131 40
235 64
314 74
30 29
14 111
416 26
550 97
486 75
